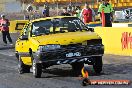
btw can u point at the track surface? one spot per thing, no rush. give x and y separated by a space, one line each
61 76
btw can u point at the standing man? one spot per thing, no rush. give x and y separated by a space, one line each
77 11
45 11
29 10
4 23
70 7
93 13
106 9
87 14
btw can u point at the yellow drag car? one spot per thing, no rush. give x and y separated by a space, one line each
58 40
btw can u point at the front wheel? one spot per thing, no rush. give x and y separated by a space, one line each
22 68
98 64
77 67
37 69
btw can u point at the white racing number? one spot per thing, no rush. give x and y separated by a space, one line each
73 54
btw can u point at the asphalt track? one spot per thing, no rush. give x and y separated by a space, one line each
61 76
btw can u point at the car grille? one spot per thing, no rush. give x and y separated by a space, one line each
94 47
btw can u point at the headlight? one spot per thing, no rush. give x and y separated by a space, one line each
48 47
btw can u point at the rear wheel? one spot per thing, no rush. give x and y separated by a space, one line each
37 69
77 67
97 66
22 68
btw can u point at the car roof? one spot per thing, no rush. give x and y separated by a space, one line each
51 18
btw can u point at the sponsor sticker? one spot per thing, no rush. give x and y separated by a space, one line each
73 54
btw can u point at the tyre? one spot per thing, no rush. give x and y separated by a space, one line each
37 69
22 68
97 66
77 67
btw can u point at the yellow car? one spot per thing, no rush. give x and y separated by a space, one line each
58 40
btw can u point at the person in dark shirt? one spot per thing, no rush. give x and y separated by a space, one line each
45 11
65 13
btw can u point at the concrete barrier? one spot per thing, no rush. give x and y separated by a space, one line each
121 24
117 40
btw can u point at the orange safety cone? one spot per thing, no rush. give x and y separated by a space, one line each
103 18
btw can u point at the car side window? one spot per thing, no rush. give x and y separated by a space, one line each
41 27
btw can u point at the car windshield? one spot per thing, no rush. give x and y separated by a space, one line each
57 25
72 24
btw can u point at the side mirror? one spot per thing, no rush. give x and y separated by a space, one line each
24 37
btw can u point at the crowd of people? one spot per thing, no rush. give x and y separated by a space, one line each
87 14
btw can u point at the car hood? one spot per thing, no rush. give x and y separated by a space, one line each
66 38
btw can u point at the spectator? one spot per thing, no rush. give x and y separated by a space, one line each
93 13
87 14
36 14
65 13
4 23
107 8
45 11
70 7
73 10
29 8
29 14
77 12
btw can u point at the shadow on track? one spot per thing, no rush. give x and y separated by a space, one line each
108 69
66 72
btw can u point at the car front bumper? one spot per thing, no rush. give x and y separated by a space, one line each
59 56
